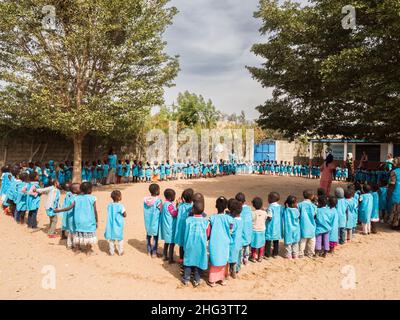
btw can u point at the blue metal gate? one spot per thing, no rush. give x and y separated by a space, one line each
265 151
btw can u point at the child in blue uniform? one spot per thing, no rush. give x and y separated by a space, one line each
274 226
184 209
341 208
152 210
365 208
258 233
323 225
135 171
68 224
220 239
334 233
308 210
236 246
21 198
291 227
195 244
351 213
247 221
116 215
375 207
85 218
383 201
127 171
168 224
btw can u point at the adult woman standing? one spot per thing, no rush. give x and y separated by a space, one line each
327 170
112 162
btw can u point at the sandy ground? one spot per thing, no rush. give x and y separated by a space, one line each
367 268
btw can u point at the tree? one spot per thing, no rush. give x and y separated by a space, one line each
99 72
329 80
193 110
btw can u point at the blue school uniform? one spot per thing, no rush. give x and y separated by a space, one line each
135 171
119 170
45 177
365 208
148 172
247 221
115 222
342 209
5 183
21 196
68 223
323 221
274 226
236 244
152 211
85 220
127 170
106 169
220 239
141 172
291 225
383 198
167 223
352 216
308 211
33 202
61 176
195 244
375 207
334 233
183 212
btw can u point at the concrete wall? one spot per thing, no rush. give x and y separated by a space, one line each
288 151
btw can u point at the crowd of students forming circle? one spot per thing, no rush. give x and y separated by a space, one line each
221 243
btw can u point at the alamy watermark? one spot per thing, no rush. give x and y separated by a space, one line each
349 20
210 146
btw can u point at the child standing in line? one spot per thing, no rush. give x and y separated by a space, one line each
184 209
341 208
197 231
351 213
274 226
308 210
323 227
33 200
152 210
116 215
85 218
127 171
375 208
21 199
52 204
258 236
236 246
220 240
168 224
5 185
365 208
334 233
291 227
68 224
247 220
66 203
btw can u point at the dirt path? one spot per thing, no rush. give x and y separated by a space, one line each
27 258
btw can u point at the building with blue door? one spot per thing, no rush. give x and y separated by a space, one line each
265 151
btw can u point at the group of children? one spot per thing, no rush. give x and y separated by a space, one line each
237 233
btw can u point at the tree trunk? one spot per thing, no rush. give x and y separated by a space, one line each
77 173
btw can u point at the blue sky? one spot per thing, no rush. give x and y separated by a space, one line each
213 39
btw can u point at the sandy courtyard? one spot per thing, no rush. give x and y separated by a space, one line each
368 268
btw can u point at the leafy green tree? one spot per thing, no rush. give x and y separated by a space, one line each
98 72
193 110
329 80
